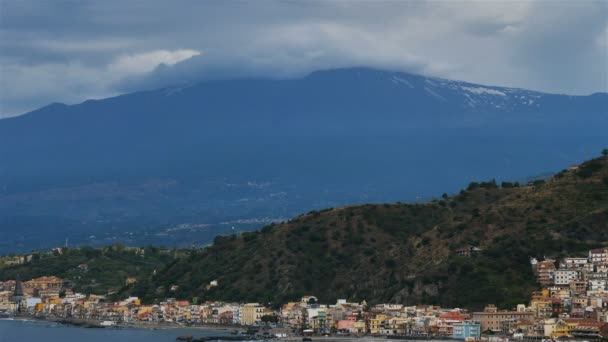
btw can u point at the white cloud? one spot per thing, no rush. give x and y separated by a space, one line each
32 86
140 63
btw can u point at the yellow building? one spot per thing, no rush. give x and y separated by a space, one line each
252 313
542 307
376 324
555 328
359 327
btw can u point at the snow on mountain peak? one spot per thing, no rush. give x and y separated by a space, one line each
483 90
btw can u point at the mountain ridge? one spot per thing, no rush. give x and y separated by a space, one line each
172 89
334 138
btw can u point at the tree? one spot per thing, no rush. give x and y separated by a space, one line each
270 319
473 186
605 152
506 185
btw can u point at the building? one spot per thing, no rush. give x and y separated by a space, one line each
45 283
555 328
252 313
599 256
545 271
564 277
446 321
376 325
492 319
598 284
466 330
584 328
574 263
467 251
346 326
18 295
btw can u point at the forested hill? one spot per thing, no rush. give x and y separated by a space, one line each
405 253
91 270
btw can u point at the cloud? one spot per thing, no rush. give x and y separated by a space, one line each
109 47
145 62
75 81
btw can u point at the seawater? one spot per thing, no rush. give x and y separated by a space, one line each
34 331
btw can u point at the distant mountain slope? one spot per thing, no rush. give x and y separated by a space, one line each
406 253
212 155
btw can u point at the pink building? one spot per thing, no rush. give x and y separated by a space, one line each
346 326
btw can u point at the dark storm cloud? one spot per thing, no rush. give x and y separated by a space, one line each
73 50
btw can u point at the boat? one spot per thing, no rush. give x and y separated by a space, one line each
107 323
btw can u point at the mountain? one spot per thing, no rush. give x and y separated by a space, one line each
184 164
405 253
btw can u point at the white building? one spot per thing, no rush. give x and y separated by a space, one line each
574 262
597 284
599 255
564 277
237 313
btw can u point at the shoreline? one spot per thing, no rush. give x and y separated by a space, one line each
97 324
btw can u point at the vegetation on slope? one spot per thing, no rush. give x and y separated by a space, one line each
404 253
91 270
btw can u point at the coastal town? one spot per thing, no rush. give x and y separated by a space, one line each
572 302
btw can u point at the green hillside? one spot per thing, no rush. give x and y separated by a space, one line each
94 270
405 253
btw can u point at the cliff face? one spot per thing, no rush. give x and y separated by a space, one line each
406 253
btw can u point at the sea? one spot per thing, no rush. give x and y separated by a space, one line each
13 330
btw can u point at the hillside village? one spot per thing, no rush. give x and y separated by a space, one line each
572 302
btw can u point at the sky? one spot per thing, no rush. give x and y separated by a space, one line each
71 51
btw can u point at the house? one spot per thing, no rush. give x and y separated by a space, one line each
306 300
44 283
574 263
376 324
492 319
346 326
599 256
544 307
359 327
598 284
252 313
318 319
398 325
587 328
467 251
446 321
525 326
555 328
293 314
563 277
466 330
545 271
